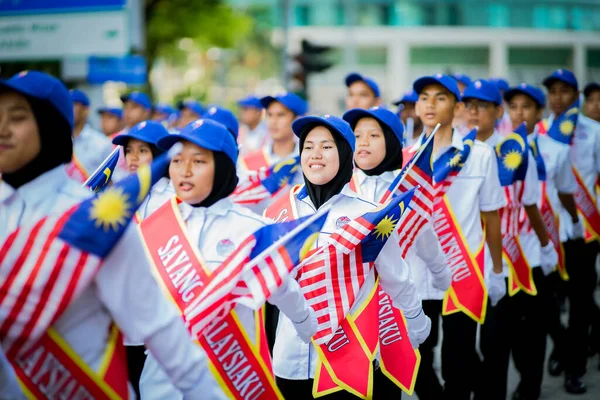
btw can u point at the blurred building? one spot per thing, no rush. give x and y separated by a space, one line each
396 41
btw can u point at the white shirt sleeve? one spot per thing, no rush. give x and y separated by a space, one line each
429 249
531 192
491 195
394 277
565 179
129 291
596 133
290 301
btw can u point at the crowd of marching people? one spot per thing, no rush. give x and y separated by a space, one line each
189 253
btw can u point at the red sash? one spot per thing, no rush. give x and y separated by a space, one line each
235 361
256 160
76 171
552 221
53 370
467 292
586 205
398 360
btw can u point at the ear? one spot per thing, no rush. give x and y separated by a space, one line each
459 107
378 101
499 111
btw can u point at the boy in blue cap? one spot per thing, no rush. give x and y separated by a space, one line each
161 112
472 194
136 108
563 91
408 116
189 111
90 147
591 107
254 133
363 92
505 324
225 118
462 81
111 120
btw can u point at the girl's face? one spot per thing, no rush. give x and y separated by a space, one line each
319 156
19 135
192 173
370 144
137 153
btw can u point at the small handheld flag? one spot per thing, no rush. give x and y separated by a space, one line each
563 126
512 155
45 266
266 183
102 175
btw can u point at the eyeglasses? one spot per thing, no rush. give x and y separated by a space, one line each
479 105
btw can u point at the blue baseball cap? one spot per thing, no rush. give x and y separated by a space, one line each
462 78
292 101
139 98
79 97
591 87
164 108
408 97
356 77
332 122
437 79
224 117
483 90
111 110
44 87
146 131
383 116
535 93
205 133
563 75
191 105
250 102
501 84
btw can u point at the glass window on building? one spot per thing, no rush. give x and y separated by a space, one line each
498 15
549 17
372 55
408 14
374 14
302 14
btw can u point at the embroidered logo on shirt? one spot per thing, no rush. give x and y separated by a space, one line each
342 222
225 247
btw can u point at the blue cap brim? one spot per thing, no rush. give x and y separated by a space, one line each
167 142
482 98
354 115
421 83
299 125
267 100
551 79
121 140
510 93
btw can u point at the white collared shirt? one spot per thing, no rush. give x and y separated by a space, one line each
161 192
585 157
254 139
426 253
91 148
475 188
294 359
124 289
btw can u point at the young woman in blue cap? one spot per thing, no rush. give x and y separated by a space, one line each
203 175
36 121
378 158
326 151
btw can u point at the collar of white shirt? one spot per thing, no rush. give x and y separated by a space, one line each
494 139
36 191
387 176
162 185
305 198
457 143
220 208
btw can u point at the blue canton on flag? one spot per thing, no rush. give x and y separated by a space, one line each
564 125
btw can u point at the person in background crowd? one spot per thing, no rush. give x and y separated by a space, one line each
111 120
225 118
563 91
504 124
90 147
137 107
591 105
254 133
459 122
462 81
189 111
363 92
408 115
161 112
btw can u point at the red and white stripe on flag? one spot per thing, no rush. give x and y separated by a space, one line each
252 191
41 275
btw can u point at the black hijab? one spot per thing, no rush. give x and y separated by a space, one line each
224 182
393 153
56 145
320 194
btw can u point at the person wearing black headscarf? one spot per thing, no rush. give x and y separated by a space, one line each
379 159
326 153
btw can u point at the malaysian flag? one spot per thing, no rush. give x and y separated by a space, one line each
45 266
102 175
564 125
417 173
254 271
266 182
332 276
